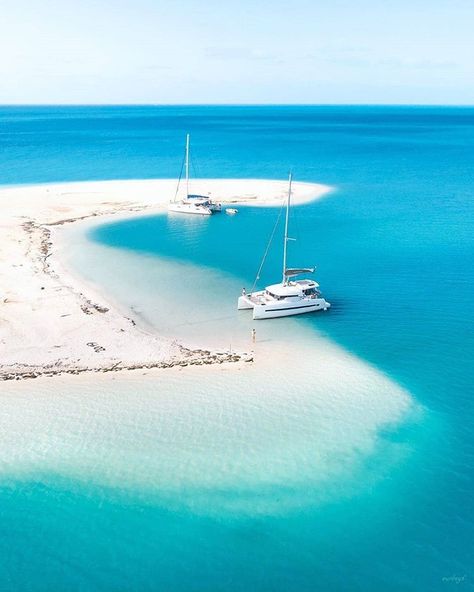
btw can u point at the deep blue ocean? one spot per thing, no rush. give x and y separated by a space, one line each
394 249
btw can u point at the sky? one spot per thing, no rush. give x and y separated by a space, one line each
220 51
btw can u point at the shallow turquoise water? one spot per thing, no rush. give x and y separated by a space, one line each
393 246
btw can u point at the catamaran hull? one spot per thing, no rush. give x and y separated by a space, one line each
244 303
270 311
280 309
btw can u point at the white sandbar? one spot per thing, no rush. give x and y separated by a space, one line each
50 321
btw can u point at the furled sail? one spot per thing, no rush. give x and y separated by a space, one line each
298 271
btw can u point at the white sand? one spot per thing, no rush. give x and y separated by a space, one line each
49 320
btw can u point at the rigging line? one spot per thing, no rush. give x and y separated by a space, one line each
268 248
179 178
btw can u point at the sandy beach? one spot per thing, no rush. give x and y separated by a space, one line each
52 323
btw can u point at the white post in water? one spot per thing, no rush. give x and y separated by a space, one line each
187 165
285 241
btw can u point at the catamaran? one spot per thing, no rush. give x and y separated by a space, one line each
192 203
291 296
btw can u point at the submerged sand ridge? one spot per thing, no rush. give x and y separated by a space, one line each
51 322
213 440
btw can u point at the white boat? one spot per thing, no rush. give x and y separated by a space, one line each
192 203
231 211
291 296
185 207
203 201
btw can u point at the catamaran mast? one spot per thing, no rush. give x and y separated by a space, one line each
285 240
187 165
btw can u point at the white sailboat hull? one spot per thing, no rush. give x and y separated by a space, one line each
244 303
184 208
269 311
280 308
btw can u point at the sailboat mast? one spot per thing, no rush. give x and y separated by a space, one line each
187 165
285 240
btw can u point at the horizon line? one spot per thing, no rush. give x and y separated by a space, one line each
422 105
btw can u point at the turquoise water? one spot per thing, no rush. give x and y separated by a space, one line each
393 246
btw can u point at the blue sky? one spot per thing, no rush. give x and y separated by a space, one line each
209 51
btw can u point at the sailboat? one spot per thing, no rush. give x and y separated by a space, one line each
192 203
291 296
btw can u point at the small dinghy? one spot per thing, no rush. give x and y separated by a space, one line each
231 211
